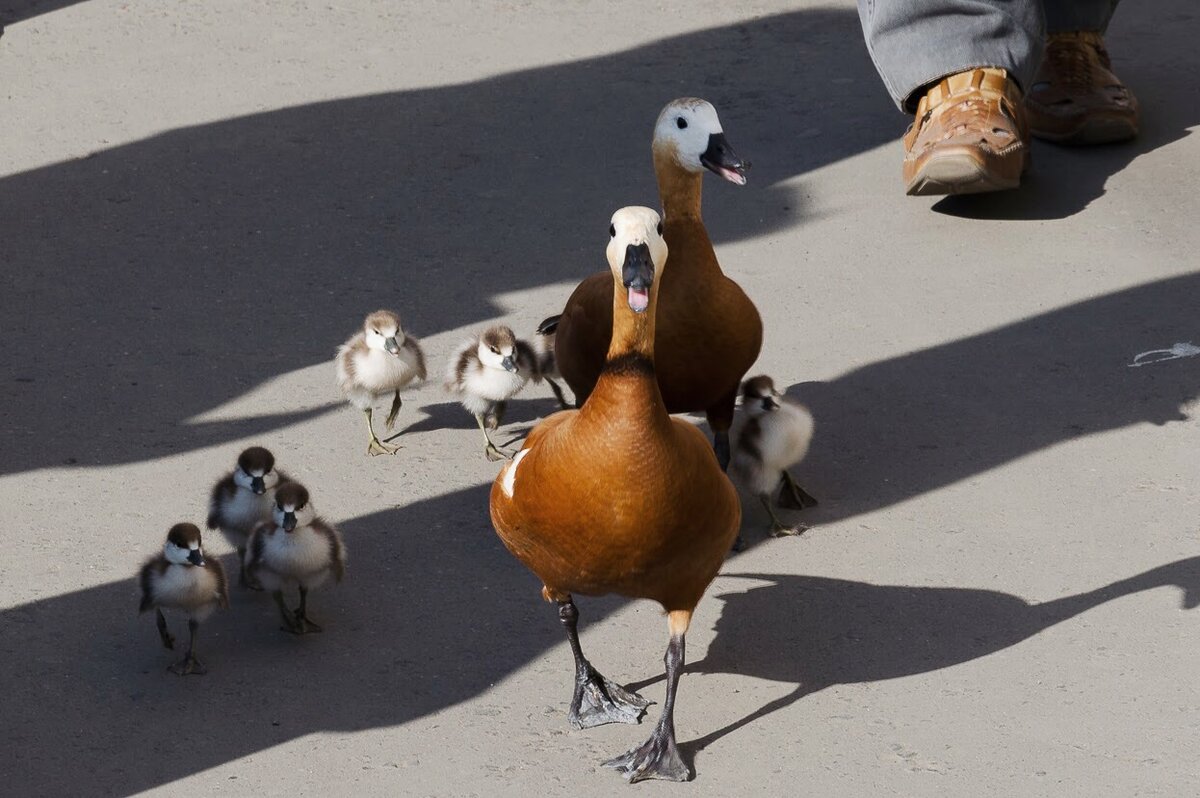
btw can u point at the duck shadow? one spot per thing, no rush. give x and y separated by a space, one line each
902 427
175 244
520 415
845 632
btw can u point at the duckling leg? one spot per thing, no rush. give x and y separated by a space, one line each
778 528
168 640
558 394
289 617
377 446
490 450
244 578
189 663
391 416
658 757
792 496
303 623
596 700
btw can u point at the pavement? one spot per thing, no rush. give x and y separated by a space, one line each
200 201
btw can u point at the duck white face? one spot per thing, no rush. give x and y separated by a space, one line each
689 129
255 470
292 508
183 545
382 331
636 253
497 349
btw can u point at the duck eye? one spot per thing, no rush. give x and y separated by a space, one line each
660 228
612 231
494 349
680 122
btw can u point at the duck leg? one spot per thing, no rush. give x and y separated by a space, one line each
168 640
377 446
189 663
596 700
391 416
558 394
289 617
792 496
490 450
244 578
778 528
303 623
658 757
720 419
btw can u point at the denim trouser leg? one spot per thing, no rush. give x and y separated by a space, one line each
916 42
1068 15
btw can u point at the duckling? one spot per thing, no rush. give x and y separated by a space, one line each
775 436
487 371
180 578
242 499
379 359
295 548
618 497
708 331
547 365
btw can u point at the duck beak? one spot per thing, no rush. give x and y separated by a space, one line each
289 522
720 159
195 557
637 275
509 364
258 486
769 403
391 345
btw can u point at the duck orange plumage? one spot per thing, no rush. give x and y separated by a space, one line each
708 331
618 497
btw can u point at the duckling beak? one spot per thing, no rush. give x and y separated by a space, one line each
637 274
770 403
720 159
509 364
195 557
258 486
391 345
289 522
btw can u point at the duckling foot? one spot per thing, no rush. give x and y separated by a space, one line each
377 447
245 580
494 454
189 665
598 701
779 530
792 496
657 758
303 625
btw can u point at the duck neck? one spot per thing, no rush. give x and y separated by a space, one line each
678 189
628 386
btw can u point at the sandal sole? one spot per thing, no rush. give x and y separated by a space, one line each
957 173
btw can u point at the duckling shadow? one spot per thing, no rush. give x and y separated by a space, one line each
826 632
521 414
905 426
174 241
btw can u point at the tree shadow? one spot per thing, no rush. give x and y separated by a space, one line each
844 632
905 426
151 282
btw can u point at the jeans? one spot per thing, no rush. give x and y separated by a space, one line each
917 42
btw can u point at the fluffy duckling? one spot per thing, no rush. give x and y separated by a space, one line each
708 331
485 372
180 578
618 497
242 499
379 359
295 548
775 437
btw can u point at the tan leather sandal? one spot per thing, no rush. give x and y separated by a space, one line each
969 136
1076 98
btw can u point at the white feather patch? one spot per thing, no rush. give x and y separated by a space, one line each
508 484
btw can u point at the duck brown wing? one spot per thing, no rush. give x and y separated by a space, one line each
337 551
584 333
155 565
221 491
414 346
218 572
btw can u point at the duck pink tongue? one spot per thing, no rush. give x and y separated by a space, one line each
639 299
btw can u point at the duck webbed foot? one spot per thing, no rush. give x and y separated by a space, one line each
792 496
188 666
301 623
657 758
376 446
778 528
596 699
490 450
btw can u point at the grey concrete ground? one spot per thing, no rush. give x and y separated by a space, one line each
201 200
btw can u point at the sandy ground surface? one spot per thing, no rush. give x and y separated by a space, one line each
201 200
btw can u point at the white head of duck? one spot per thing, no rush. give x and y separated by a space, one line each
689 132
